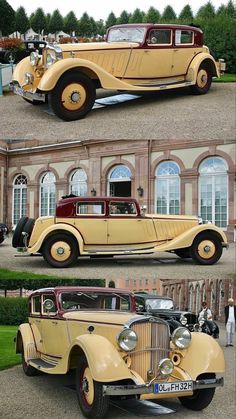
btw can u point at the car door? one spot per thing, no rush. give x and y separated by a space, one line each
183 51
127 228
36 321
54 334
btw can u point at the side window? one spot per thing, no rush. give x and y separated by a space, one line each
90 208
35 305
122 208
184 37
160 37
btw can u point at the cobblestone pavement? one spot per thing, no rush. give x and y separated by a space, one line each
161 265
174 114
51 396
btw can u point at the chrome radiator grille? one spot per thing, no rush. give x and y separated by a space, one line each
153 345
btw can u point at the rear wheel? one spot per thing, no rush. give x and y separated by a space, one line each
73 96
206 249
92 402
203 82
60 250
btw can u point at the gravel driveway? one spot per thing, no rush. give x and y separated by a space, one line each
172 114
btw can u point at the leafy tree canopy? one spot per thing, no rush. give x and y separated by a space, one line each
137 16
7 18
186 14
168 14
70 23
111 20
38 20
152 16
56 22
206 12
124 18
22 23
84 25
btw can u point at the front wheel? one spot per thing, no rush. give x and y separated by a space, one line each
92 402
200 398
73 96
60 250
206 249
203 82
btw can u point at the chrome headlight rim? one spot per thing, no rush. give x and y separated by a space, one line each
50 59
165 366
34 58
181 337
183 320
127 340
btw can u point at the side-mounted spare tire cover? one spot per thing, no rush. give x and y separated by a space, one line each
26 225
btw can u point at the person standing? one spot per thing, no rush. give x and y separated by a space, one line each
230 318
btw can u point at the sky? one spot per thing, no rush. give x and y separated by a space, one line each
100 9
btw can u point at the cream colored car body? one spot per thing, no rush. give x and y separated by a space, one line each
53 341
117 64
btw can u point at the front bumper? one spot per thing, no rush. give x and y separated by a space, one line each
15 88
127 390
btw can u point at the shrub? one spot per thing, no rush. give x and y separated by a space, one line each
13 310
11 43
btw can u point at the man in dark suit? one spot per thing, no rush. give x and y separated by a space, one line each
230 319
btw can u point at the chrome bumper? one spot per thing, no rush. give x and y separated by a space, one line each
15 88
149 389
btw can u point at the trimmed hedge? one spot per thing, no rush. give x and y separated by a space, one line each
33 284
13 310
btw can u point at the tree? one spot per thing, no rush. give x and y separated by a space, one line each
93 27
48 18
228 10
111 20
70 23
168 14
124 17
206 12
152 16
56 22
186 14
100 27
7 18
38 21
137 16
21 20
84 25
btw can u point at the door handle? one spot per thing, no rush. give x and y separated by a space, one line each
54 322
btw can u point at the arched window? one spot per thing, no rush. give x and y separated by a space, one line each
213 191
168 188
47 194
19 208
119 181
78 183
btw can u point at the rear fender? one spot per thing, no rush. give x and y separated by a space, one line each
25 342
53 229
197 61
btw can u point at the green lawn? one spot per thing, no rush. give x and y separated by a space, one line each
8 274
8 357
226 78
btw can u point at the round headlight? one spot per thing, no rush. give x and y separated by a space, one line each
34 57
50 59
127 339
181 337
166 366
183 320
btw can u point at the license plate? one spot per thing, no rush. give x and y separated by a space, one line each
176 387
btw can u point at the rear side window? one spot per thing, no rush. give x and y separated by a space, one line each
90 208
184 37
36 304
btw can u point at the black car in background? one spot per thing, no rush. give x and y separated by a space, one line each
3 232
164 307
14 55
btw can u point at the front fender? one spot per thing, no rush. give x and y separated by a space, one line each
53 74
25 341
67 228
104 360
195 64
186 239
203 356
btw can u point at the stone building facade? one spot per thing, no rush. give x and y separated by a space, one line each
188 174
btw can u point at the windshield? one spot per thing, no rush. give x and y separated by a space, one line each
95 301
158 303
126 34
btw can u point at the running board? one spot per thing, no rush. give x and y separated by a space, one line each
39 363
164 85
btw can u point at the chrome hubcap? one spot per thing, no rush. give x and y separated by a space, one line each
60 251
75 97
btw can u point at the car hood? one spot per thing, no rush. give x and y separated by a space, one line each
172 313
113 317
91 46
172 217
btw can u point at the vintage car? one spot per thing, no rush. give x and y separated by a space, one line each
135 57
14 55
164 307
115 351
3 232
107 226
